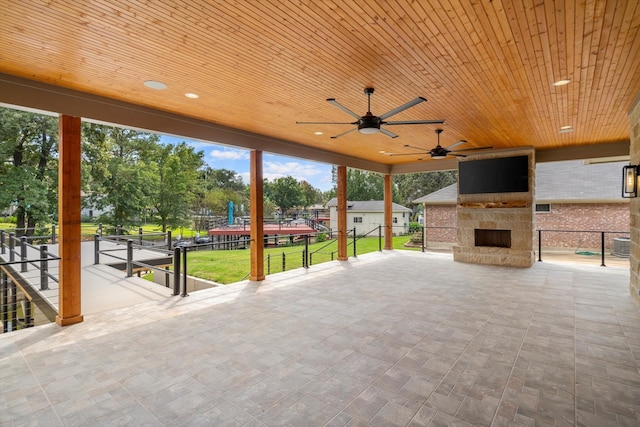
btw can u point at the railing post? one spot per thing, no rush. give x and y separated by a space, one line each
306 251
44 268
184 273
284 261
2 239
96 248
53 234
540 245
379 238
140 236
4 290
12 247
23 254
13 305
129 258
118 230
28 320
602 250
100 229
354 242
176 271
424 236
268 264
310 258
169 240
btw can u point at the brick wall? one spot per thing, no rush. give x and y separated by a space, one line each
441 216
574 216
583 216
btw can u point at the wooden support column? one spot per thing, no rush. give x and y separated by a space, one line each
69 294
388 212
256 188
342 213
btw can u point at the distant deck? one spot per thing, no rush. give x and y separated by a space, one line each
269 230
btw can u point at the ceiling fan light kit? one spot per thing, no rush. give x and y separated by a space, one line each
370 124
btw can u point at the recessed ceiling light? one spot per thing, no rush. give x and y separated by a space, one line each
192 95
317 133
152 84
562 82
565 129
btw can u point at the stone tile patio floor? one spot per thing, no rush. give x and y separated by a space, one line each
391 338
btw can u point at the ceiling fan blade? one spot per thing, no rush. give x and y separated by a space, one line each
409 104
342 107
414 122
326 123
415 148
386 132
343 133
455 144
405 154
473 149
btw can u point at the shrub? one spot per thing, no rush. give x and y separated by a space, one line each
321 237
415 227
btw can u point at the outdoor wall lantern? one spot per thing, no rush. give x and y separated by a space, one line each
630 181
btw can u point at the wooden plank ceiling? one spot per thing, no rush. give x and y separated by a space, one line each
486 67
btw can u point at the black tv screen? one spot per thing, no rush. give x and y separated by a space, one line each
499 175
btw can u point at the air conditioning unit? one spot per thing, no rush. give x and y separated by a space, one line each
621 247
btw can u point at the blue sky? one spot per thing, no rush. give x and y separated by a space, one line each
274 166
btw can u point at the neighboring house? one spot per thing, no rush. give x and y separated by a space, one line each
570 196
89 211
366 216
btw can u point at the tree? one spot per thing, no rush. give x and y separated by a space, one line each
222 178
361 185
285 192
177 181
123 177
412 186
28 173
310 194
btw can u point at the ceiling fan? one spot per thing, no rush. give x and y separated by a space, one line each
370 124
440 152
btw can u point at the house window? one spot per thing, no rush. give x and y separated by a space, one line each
357 219
543 207
395 220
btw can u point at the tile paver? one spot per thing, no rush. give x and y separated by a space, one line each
391 338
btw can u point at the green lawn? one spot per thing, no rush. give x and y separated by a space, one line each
232 266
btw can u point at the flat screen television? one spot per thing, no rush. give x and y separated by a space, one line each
499 175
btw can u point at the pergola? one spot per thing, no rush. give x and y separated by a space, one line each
558 77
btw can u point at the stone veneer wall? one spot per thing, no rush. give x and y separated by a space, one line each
498 211
634 205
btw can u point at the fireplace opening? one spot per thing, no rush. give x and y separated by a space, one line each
493 238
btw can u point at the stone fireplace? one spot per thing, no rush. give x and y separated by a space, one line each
497 228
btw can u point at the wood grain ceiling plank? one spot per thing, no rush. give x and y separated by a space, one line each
599 74
494 41
555 16
453 67
610 76
538 78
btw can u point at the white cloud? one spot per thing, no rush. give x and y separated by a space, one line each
315 174
298 170
229 154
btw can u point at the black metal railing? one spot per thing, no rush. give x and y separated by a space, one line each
596 237
602 235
